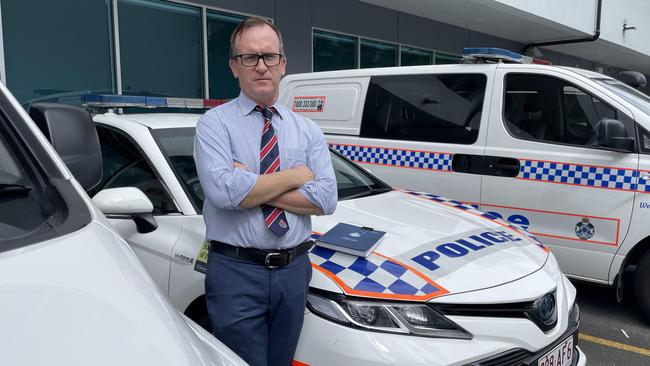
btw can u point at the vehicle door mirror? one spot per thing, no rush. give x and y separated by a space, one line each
72 133
612 134
634 79
127 203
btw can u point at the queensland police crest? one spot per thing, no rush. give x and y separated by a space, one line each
584 229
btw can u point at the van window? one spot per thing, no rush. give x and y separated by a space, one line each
543 108
125 166
433 108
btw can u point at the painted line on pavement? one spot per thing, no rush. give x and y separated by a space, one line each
613 344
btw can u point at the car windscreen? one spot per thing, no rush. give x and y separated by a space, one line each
36 203
631 95
177 146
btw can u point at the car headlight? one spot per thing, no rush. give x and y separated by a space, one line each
381 316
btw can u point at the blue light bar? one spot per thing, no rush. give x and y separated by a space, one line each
123 101
490 52
113 100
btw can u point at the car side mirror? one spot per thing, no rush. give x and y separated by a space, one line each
72 133
634 79
127 203
612 134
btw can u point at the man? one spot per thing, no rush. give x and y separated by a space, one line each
264 170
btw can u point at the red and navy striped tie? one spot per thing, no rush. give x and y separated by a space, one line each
275 218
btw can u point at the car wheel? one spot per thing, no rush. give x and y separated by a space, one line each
642 285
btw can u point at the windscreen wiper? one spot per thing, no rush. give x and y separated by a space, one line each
370 192
14 189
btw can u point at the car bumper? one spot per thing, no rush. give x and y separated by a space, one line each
323 342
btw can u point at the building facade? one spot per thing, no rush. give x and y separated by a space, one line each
58 50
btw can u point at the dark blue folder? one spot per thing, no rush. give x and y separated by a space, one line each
351 239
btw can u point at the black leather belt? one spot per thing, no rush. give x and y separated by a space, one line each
268 258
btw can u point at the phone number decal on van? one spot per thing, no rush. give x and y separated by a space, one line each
308 104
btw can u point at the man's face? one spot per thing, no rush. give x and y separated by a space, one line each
260 82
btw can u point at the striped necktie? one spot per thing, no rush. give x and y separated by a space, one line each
275 218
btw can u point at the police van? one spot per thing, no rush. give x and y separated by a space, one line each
447 285
73 292
561 151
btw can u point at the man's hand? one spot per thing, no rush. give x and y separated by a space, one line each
270 186
238 165
302 174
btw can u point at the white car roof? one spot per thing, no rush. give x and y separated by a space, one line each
153 120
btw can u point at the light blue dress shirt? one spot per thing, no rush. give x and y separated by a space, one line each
233 132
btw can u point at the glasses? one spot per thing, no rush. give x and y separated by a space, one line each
251 59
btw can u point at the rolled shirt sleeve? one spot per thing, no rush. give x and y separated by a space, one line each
322 191
224 186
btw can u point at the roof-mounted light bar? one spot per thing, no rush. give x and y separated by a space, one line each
474 54
125 101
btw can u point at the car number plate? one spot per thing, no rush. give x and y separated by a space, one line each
561 355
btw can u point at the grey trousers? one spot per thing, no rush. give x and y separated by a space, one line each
257 312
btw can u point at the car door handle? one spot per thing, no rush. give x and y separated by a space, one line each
502 167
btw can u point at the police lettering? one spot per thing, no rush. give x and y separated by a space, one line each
462 247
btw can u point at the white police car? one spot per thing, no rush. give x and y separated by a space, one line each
72 291
562 151
448 285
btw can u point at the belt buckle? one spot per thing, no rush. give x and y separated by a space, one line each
267 260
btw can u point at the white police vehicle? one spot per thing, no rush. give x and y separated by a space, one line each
72 291
561 151
448 285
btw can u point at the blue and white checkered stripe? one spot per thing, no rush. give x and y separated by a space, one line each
643 185
396 157
373 274
581 175
474 210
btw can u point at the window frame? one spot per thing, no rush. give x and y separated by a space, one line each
46 172
146 159
618 111
363 131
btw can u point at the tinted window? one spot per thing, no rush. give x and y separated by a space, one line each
377 54
334 51
414 56
161 48
125 166
53 48
433 108
36 202
543 108
220 27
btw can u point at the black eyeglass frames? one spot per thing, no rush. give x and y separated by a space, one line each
252 59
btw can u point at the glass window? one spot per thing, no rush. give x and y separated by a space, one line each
645 140
160 48
220 26
377 54
36 203
443 58
414 56
334 51
433 108
125 166
55 49
544 108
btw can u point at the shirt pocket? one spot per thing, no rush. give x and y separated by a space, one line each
293 158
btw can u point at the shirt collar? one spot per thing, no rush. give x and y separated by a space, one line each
247 105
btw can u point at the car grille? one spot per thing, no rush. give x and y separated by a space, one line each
521 357
510 358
